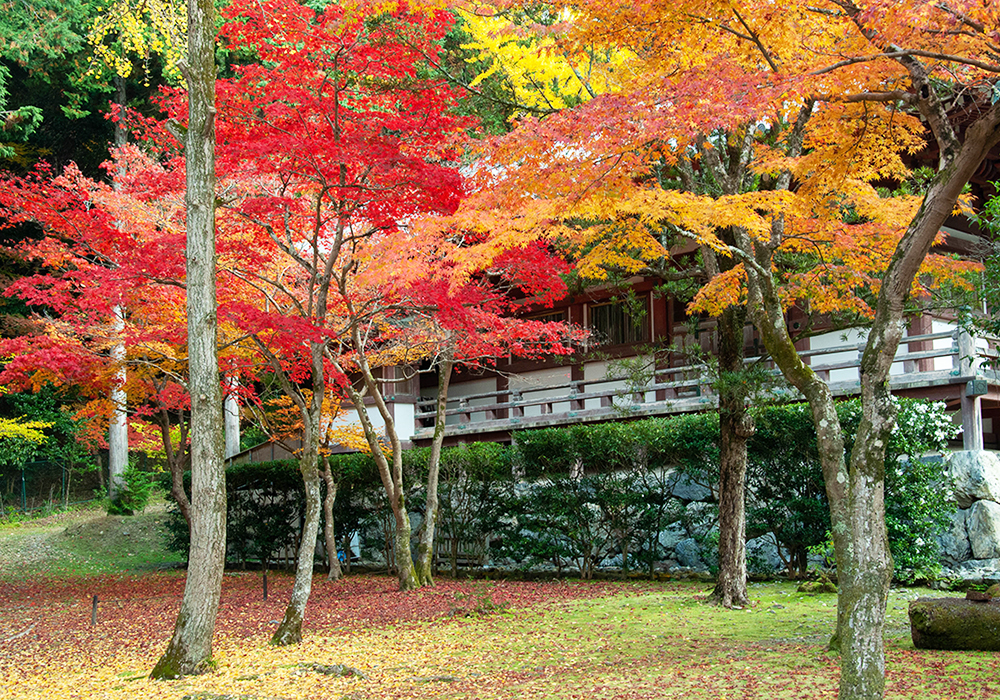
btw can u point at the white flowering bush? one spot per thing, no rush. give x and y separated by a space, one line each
918 503
788 498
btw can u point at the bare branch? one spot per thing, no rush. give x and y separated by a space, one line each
755 39
909 53
888 97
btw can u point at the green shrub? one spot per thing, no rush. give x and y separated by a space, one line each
545 452
265 506
136 490
917 505
789 499
590 494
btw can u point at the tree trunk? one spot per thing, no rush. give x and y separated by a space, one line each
69 481
190 648
425 549
735 428
118 423
329 538
175 463
290 628
391 474
232 417
404 559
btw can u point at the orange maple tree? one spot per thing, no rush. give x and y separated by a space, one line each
751 129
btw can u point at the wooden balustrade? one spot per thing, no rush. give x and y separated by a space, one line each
688 388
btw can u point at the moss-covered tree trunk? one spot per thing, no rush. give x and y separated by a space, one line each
425 548
735 428
856 488
190 647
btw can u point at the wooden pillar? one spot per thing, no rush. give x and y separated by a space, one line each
972 422
920 325
503 387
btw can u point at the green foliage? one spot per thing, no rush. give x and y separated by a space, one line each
917 505
252 436
137 488
20 439
65 441
43 45
787 495
545 452
492 101
265 501
689 441
473 490
988 219
789 500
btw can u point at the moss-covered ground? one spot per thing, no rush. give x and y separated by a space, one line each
461 639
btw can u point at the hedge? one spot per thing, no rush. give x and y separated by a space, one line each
590 495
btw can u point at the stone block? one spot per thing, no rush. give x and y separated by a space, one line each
955 623
983 526
689 554
955 540
975 476
683 488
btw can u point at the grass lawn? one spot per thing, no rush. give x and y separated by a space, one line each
461 639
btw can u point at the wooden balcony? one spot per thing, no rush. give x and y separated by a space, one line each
948 365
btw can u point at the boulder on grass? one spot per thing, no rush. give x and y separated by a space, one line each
955 623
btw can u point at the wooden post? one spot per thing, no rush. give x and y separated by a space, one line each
972 415
93 612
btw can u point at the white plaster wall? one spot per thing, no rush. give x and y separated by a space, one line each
405 419
597 372
461 389
942 363
542 384
837 339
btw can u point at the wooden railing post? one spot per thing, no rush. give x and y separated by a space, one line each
966 351
972 415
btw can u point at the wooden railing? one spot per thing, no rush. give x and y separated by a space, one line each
688 388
